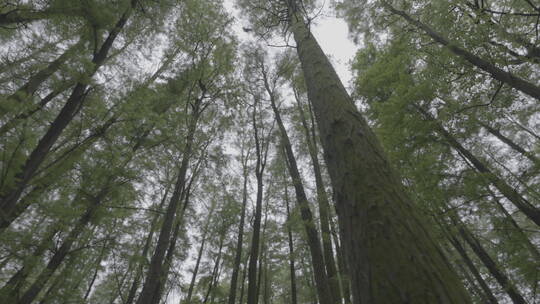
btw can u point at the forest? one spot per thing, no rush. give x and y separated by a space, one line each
151 152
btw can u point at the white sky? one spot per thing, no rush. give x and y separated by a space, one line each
331 33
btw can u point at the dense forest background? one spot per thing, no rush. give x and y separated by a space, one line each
150 155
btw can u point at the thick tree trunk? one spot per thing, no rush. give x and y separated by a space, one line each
10 196
510 193
292 270
321 279
495 72
391 256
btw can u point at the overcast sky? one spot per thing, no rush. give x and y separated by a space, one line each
331 33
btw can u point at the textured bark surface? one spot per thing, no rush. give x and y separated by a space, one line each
391 256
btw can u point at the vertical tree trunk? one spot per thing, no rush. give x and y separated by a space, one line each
155 273
391 256
321 279
252 295
324 208
199 256
294 299
144 253
215 271
240 238
56 260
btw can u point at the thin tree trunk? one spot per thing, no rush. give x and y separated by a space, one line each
497 73
56 260
342 264
10 196
510 193
324 208
510 143
252 295
488 262
244 273
155 271
391 255
314 244
96 271
199 256
240 238
17 280
294 299
215 270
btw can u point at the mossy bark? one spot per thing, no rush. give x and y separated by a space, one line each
391 256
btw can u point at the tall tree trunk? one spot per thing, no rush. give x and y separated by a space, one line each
490 298
324 208
495 72
155 273
391 256
199 256
321 279
294 299
240 238
215 270
144 253
16 281
261 151
510 193
96 271
488 262
342 264
10 196
243 282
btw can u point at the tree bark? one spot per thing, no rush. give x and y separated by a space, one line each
294 299
510 143
240 238
252 296
199 256
391 256
324 208
155 271
317 258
